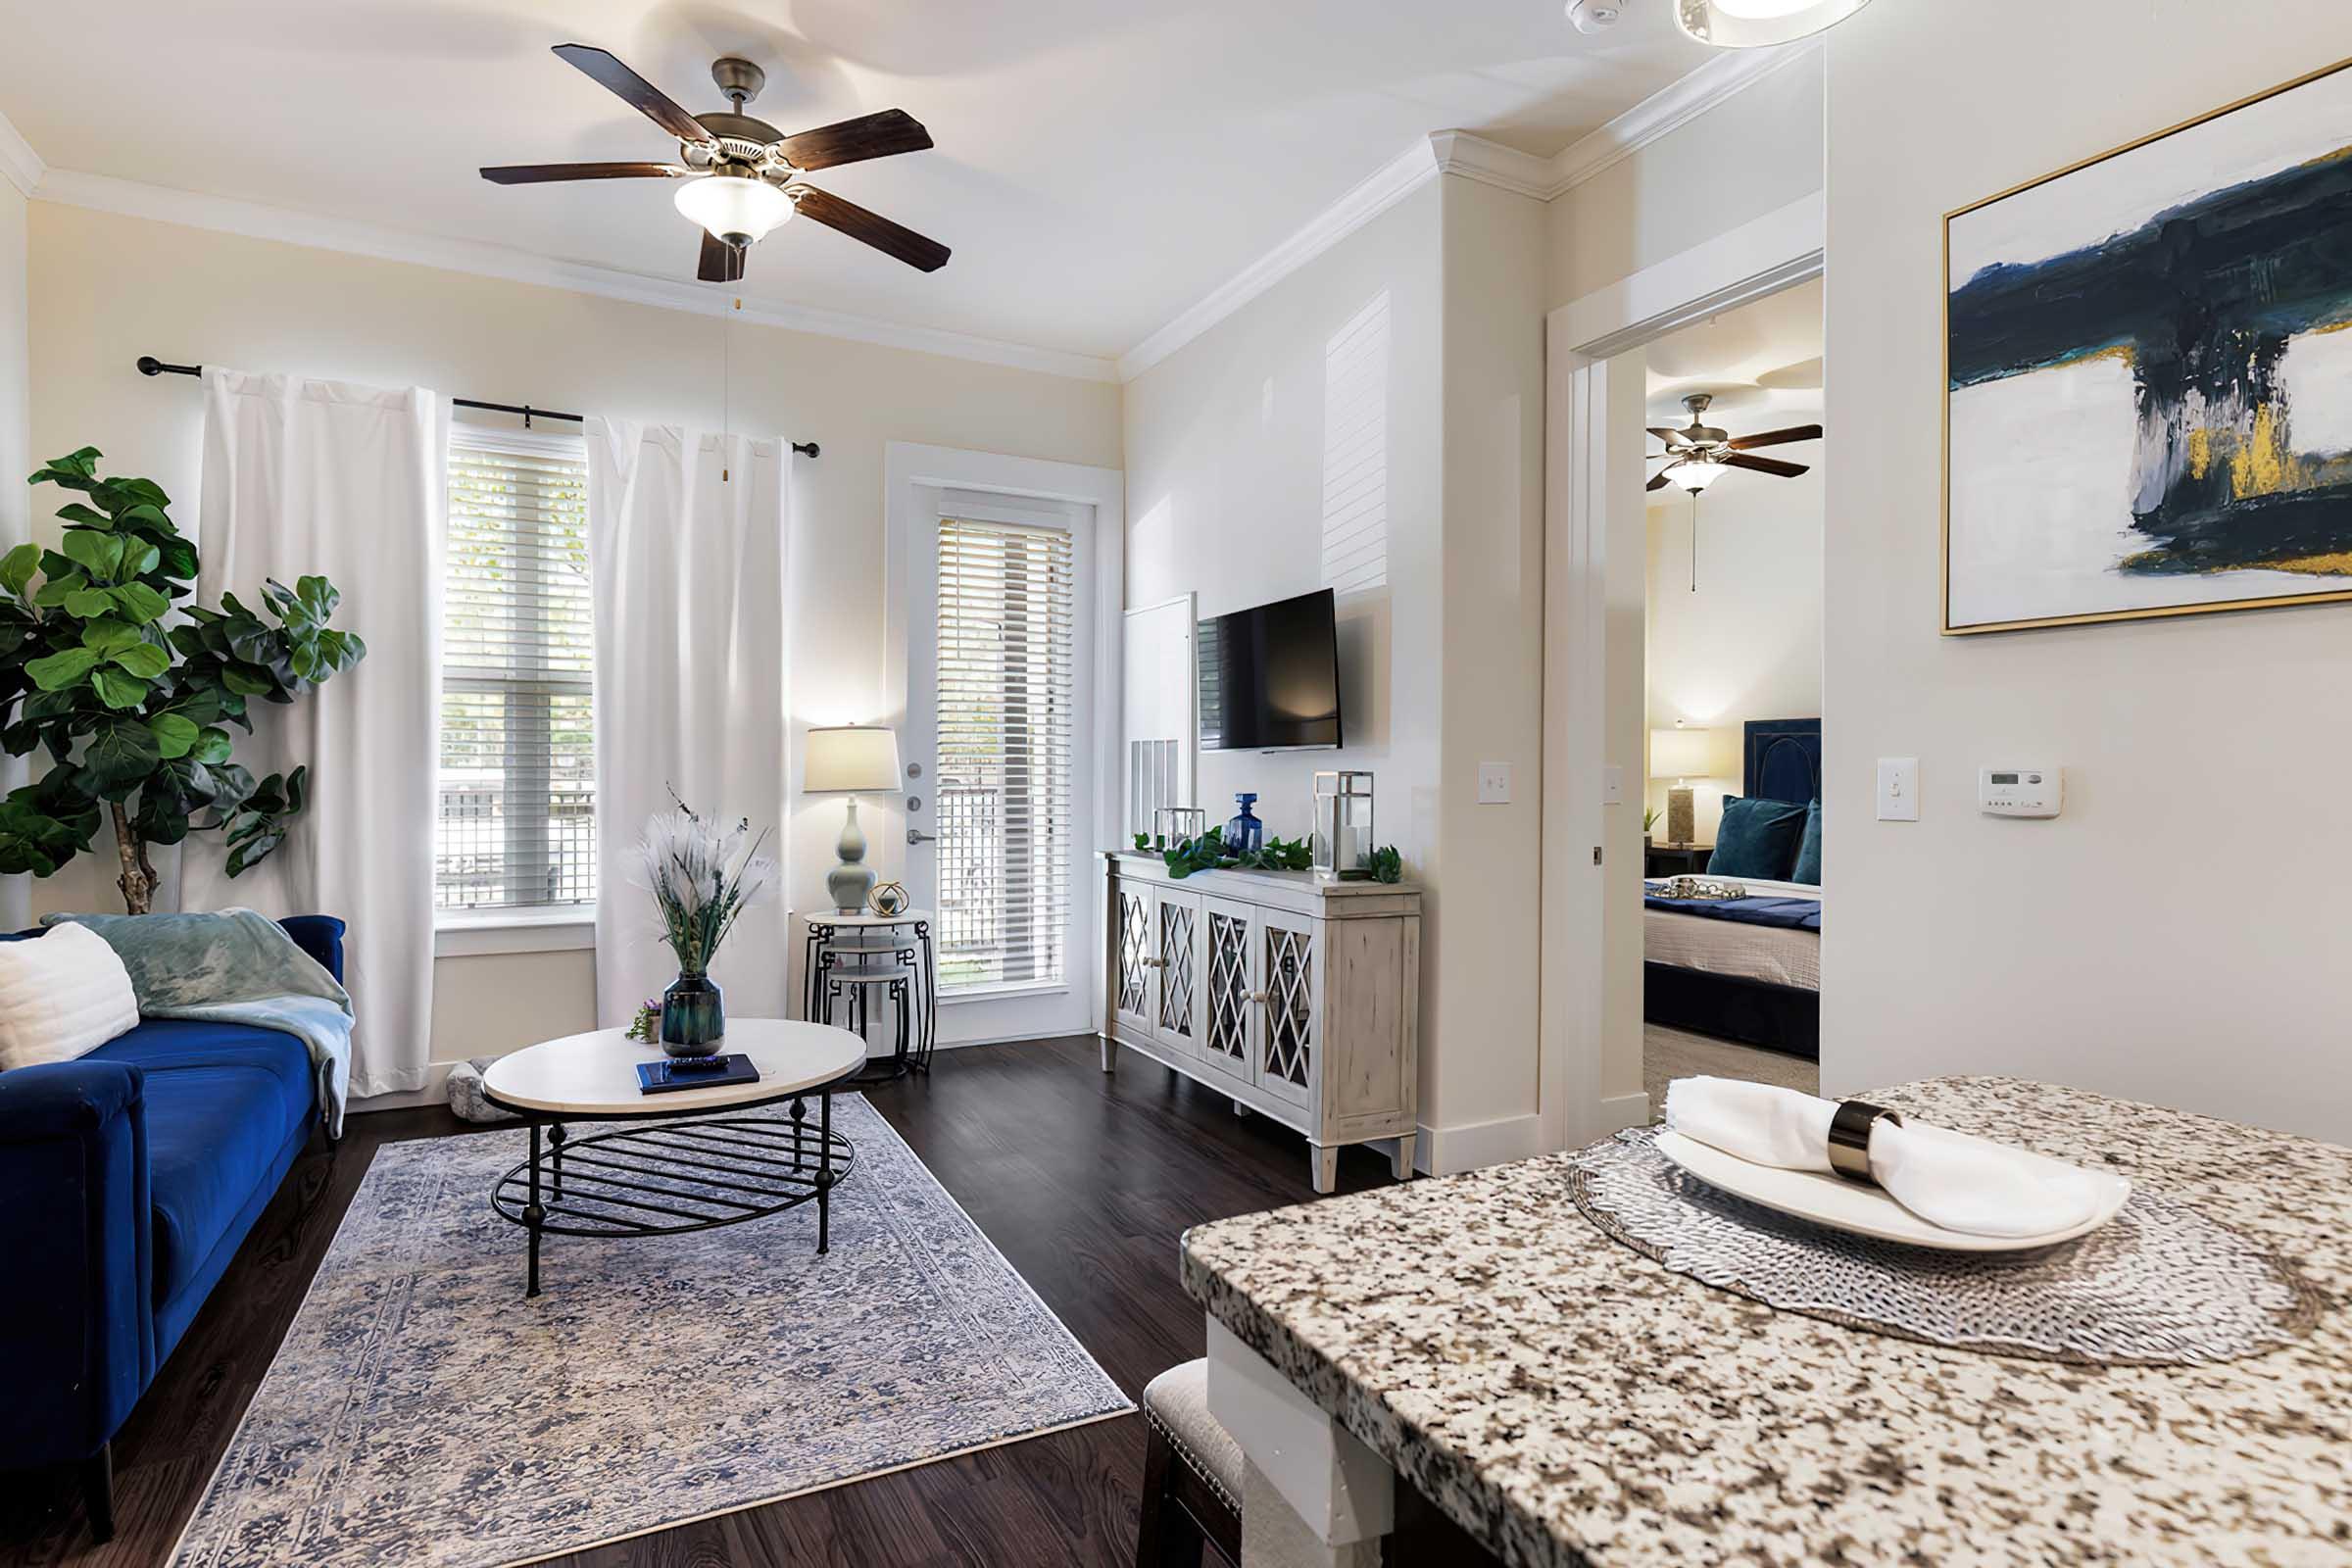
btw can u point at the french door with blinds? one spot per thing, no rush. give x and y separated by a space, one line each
998 683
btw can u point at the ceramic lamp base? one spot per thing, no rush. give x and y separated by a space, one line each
852 879
1680 813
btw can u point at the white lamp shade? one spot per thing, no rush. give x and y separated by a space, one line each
735 206
849 758
1679 753
1696 476
1759 23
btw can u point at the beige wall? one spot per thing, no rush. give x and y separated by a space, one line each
109 289
1753 154
2165 939
15 461
1746 642
1492 680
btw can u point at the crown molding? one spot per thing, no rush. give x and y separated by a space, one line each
1458 152
1397 179
20 165
1729 73
258 220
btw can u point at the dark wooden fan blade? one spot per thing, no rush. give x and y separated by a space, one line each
927 255
639 93
541 173
1774 438
721 263
852 141
1670 437
1658 481
1774 466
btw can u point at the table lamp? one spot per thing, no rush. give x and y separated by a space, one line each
1683 752
850 759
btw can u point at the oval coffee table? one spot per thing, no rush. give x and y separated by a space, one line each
676 1166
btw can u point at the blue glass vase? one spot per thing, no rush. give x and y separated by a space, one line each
693 1017
1245 834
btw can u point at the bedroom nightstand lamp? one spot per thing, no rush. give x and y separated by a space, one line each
850 759
1682 752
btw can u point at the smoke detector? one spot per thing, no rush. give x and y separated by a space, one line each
1594 16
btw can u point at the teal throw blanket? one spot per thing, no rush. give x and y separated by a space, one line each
236 966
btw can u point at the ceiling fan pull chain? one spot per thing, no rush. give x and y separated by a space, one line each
1694 541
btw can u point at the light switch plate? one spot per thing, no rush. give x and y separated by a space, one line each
1493 783
1898 789
1612 785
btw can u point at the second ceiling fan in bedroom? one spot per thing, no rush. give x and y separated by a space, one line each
741 176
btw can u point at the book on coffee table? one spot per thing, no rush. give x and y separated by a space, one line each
700 1072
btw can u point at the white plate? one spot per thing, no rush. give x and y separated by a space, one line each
1847 1205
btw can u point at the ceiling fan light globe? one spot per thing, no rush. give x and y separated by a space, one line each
735 207
1759 23
1696 476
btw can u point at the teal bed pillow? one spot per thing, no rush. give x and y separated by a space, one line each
1808 849
1758 839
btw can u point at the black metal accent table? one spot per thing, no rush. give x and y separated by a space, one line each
675 1162
840 958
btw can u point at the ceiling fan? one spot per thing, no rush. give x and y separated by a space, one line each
1700 452
741 177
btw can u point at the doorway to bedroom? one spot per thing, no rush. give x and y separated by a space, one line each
1683 684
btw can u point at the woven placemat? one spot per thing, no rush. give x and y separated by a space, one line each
2160 1285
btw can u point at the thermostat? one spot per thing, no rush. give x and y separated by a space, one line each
2020 791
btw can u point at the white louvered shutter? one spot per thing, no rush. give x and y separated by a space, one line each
1003 739
517 826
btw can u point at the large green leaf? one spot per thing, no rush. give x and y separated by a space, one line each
140 602
143 660
175 736
98 553
147 491
106 638
86 604
118 757
18 566
62 668
247 682
179 556
116 690
74 512
212 745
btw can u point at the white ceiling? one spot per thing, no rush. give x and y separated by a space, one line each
1100 164
1761 363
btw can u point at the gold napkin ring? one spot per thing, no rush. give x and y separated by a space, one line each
1849 1137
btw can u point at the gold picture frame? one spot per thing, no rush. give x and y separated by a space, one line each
2274 600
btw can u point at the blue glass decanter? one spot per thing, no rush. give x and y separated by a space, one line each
1245 834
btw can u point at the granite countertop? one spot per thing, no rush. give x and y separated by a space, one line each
1566 1400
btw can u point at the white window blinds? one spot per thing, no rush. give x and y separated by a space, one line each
1006 605
518 795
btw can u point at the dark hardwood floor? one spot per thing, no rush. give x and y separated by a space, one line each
1083 1179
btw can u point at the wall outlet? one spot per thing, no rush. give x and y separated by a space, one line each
1898 789
1493 783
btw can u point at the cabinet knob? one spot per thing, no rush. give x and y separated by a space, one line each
1258 997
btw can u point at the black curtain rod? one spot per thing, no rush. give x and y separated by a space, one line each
149 364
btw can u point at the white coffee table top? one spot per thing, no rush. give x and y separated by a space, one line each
594 1074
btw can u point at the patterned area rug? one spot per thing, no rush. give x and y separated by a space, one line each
422 1413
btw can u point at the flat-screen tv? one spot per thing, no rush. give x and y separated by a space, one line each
1270 677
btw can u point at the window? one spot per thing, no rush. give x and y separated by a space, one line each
1004 694
517 825
1356 451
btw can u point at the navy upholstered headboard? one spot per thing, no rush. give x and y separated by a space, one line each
1782 759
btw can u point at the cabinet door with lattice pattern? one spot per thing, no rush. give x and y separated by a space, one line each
1287 1064
1131 954
1176 968
1229 1017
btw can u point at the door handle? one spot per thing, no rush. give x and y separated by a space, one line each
915 835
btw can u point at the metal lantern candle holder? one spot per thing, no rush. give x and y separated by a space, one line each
1343 841
1172 825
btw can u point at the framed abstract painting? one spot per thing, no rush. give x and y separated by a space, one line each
2147 377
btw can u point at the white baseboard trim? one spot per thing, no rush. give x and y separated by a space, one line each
1451 1150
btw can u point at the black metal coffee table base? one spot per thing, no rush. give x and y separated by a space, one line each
668 1178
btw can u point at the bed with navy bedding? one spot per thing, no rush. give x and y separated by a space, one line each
133 1174
1745 970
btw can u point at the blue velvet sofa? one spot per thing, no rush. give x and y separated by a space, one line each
127 1179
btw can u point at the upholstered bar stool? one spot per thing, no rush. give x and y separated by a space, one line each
1192 1474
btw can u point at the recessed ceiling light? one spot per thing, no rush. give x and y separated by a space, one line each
1757 23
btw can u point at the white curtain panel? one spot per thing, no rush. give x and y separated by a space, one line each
688 570
323 479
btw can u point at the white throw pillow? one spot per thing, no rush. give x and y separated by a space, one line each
63 994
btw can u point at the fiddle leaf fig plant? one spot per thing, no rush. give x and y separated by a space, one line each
134 714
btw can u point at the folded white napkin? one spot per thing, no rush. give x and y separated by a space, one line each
1946 1178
